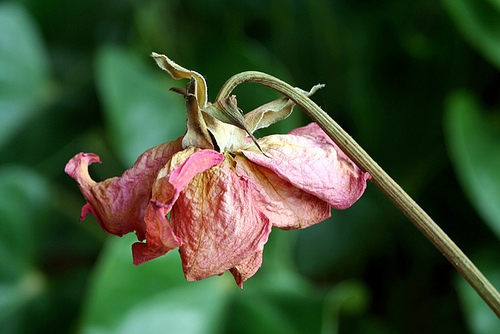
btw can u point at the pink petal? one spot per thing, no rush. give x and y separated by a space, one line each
77 168
160 236
219 222
247 268
178 173
170 182
310 161
119 203
286 206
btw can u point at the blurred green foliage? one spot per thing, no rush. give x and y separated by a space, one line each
415 82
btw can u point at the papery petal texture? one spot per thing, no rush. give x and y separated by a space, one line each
171 180
219 222
247 268
119 203
286 206
160 237
310 161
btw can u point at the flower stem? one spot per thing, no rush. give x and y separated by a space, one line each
381 179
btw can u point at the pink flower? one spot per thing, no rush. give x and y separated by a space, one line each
217 191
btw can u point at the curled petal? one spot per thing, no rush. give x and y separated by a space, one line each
310 162
171 181
178 173
286 206
78 168
160 236
119 203
219 222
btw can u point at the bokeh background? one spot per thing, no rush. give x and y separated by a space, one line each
416 83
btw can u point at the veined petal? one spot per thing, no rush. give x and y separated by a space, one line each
178 173
247 268
172 179
286 206
218 220
309 160
119 203
160 237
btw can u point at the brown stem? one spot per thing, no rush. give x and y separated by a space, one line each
381 179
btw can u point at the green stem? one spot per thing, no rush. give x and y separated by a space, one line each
381 179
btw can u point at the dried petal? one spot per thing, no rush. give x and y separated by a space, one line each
286 206
219 208
171 181
159 235
219 222
247 268
310 162
119 203
180 170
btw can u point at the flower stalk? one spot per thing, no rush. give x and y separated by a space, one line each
380 178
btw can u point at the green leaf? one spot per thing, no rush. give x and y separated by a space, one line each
277 299
23 195
153 297
139 109
24 70
474 146
479 22
281 303
495 3
348 297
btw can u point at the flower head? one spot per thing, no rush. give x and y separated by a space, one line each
217 192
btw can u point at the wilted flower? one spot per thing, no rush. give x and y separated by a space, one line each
217 191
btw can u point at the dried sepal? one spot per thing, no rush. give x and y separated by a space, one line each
274 111
227 111
178 72
197 133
